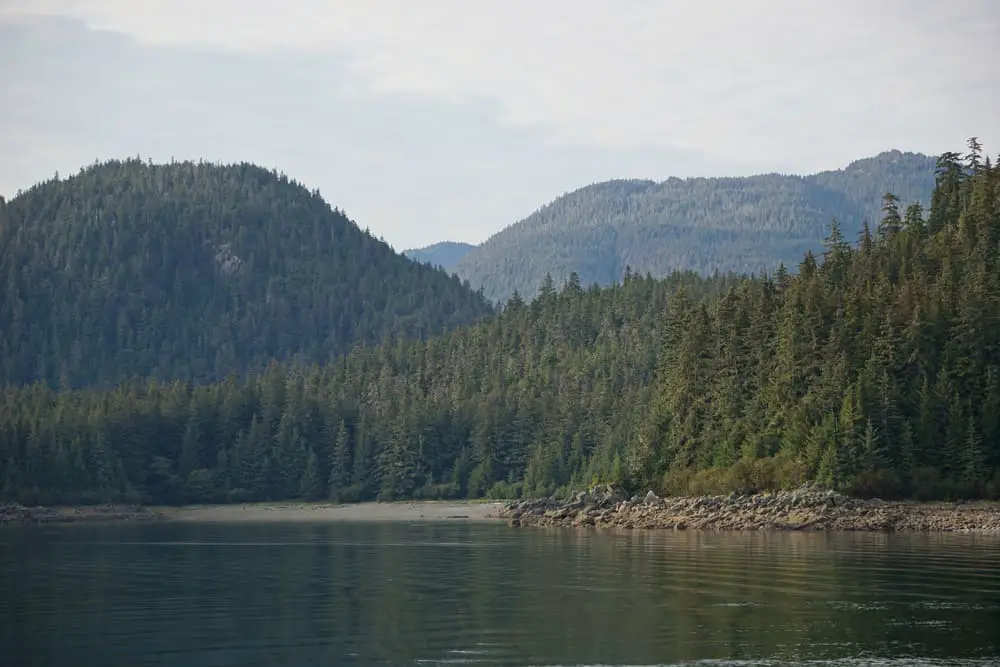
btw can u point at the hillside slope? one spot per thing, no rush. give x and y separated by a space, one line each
191 271
747 224
874 370
446 254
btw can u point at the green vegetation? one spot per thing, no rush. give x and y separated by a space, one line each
192 271
747 225
874 369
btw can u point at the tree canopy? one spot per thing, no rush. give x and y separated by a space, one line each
748 224
874 368
194 270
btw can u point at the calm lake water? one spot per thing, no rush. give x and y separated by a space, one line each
302 594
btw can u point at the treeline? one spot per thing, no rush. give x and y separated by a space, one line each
451 417
745 224
874 369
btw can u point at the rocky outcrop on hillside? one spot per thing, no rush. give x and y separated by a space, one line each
806 508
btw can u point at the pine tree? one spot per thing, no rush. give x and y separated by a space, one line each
974 469
891 222
311 484
340 463
190 446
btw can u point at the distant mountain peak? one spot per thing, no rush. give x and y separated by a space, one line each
743 224
444 254
888 157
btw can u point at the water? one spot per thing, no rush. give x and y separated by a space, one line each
201 595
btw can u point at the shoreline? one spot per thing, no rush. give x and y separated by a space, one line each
804 509
402 510
423 510
16 514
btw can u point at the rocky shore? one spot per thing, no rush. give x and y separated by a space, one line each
804 509
19 514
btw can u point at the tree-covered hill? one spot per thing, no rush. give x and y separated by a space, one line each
192 270
873 369
749 224
446 254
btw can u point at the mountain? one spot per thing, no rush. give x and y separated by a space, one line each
193 270
875 371
747 224
446 254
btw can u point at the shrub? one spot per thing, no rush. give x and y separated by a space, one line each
876 484
926 484
505 491
675 482
745 476
710 482
239 495
443 491
352 494
992 489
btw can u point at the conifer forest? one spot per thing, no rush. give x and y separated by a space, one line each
872 367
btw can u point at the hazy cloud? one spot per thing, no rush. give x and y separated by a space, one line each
467 100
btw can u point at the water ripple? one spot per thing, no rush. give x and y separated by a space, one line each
200 595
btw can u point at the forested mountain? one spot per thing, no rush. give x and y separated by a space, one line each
874 369
192 270
747 225
446 254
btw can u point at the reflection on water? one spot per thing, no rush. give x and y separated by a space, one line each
200 595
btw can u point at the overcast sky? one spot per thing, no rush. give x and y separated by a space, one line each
450 119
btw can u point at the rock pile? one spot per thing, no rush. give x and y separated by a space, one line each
15 513
805 508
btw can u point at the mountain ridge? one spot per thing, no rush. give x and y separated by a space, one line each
443 254
735 223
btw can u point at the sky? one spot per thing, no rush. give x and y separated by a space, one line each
451 119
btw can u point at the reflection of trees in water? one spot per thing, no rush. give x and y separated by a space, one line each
561 596
315 593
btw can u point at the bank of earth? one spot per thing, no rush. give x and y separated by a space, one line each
805 509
